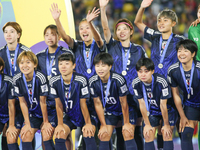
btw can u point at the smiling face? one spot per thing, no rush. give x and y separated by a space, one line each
184 55
66 67
145 75
51 38
103 70
123 32
165 24
27 66
11 36
85 32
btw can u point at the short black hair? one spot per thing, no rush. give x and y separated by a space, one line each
104 57
147 62
67 57
188 44
2 64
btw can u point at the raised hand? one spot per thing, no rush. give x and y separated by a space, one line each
103 3
92 15
55 12
146 3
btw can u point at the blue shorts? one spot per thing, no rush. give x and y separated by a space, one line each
67 121
35 122
155 120
192 113
53 120
114 120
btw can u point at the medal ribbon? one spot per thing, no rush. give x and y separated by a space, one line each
0 80
165 49
191 77
125 58
62 83
102 91
88 61
145 95
49 66
33 87
12 69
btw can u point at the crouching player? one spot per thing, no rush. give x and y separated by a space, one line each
31 88
152 92
70 91
185 74
109 90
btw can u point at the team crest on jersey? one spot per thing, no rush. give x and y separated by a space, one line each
12 61
188 82
30 91
150 95
164 44
67 94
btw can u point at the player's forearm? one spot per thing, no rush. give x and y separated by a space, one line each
138 19
105 26
11 107
24 109
63 34
100 112
44 108
163 107
85 111
125 109
59 111
144 111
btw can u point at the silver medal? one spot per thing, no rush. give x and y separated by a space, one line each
160 66
124 73
188 96
89 71
148 113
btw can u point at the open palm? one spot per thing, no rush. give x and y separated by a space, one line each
55 12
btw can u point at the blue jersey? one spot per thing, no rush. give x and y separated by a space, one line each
118 88
3 54
79 90
175 79
136 52
161 90
42 66
171 54
80 61
41 89
6 93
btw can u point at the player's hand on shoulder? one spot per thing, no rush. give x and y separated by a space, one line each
58 130
88 130
103 132
55 12
128 127
12 130
92 14
194 23
146 131
146 3
47 127
166 131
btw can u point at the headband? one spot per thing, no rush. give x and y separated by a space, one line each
124 23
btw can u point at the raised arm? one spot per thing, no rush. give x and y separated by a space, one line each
138 19
55 12
104 20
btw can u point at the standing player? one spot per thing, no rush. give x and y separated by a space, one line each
31 88
48 65
163 52
152 92
125 55
185 75
7 110
12 34
70 91
109 92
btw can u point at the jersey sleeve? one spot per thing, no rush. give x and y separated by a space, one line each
111 42
171 79
84 90
75 46
121 85
93 90
137 88
11 89
17 88
150 34
165 89
53 88
43 84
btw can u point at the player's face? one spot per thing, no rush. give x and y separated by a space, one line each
145 75
184 55
66 67
85 32
198 13
165 24
26 66
51 38
10 34
123 32
102 70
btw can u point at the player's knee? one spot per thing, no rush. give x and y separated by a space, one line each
187 134
105 136
127 135
28 137
11 140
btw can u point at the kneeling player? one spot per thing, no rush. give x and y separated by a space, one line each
185 74
109 91
70 91
152 92
31 88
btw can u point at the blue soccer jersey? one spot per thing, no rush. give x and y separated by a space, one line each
6 93
79 90
171 54
161 90
4 55
78 50
118 88
175 79
40 89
